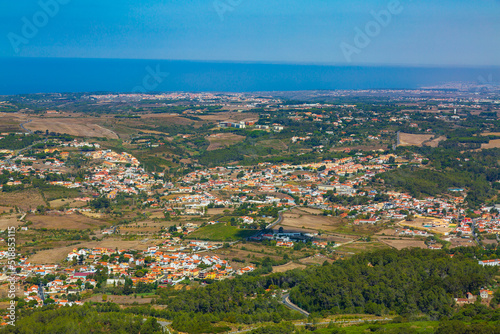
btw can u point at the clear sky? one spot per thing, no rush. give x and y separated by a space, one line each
420 32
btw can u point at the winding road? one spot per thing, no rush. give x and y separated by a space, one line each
286 301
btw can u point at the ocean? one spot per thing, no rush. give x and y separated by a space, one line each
51 75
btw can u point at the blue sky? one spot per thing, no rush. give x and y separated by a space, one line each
425 32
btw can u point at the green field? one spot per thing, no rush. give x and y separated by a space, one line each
420 327
222 232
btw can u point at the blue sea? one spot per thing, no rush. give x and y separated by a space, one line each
49 75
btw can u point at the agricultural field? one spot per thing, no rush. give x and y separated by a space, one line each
408 139
221 140
72 126
23 199
9 122
288 266
360 247
401 243
298 220
495 143
70 222
428 224
221 232
9 220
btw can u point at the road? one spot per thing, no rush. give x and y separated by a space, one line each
280 218
286 301
22 126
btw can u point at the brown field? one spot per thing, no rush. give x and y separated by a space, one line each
408 139
56 255
72 126
360 247
495 143
312 211
459 242
10 123
216 211
275 143
24 199
145 227
66 201
10 220
221 140
296 219
4 209
316 259
288 266
70 222
121 300
490 134
231 116
420 221
403 243
435 142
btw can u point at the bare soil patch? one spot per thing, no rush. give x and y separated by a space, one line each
408 139
403 243
435 142
121 300
7 221
70 222
297 219
24 199
495 143
427 224
221 140
75 127
288 266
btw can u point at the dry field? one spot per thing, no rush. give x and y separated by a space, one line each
435 142
408 139
361 247
70 222
216 211
403 243
24 199
459 242
56 255
231 116
316 259
121 300
495 143
221 140
10 122
65 201
4 209
145 227
312 211
288 266
297 220
80 127
419 223
10 220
